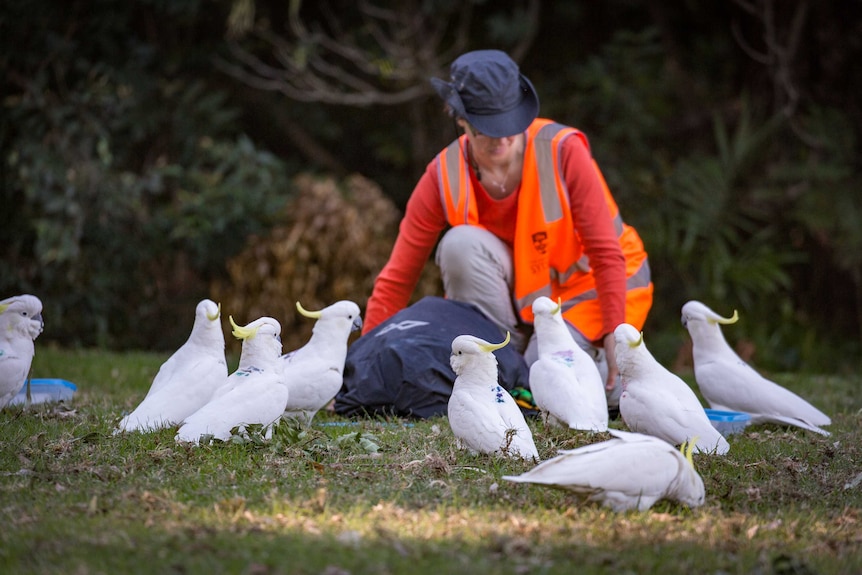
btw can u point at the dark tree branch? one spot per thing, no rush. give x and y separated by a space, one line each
385 61
779 53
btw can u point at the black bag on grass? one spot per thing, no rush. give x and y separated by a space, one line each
401 367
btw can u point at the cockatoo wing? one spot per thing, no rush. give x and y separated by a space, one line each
258 401
672 413
310 391
312 384
736 386
14 368
554 389
586 368
557 390
519 438
172 404
176 363
485 427
476 425
593 384
655 412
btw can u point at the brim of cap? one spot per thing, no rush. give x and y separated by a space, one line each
510 122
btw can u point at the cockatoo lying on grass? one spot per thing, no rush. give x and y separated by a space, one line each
20 325
483 416
254 394
728 383
657 402
315 372
632 471
565 382
188 379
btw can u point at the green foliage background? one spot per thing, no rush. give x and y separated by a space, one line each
133 168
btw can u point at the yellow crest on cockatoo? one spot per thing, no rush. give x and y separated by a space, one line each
306 313
241 332
4 307
687 448
640 340
495 346
724 320
217 314
559 307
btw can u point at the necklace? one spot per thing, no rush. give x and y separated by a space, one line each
499 185
495 184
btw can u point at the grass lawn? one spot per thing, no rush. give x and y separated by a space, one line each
374 496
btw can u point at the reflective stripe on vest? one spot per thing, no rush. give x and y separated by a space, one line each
456 190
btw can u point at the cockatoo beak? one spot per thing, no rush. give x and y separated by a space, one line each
495 346
306 313
217 314
725 320
559 307
241 332
640 340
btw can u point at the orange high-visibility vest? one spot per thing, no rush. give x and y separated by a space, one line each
548 255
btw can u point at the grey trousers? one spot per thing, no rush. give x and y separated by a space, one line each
476 267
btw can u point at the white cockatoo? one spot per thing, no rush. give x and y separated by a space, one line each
657 402
20 325
315 372
728 383
565 382
188 379
254 394
483 416
631 471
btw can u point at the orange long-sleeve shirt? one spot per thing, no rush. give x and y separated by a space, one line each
425 219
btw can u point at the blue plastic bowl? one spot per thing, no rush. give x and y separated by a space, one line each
728 422
46 390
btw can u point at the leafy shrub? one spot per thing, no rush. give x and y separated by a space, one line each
122 212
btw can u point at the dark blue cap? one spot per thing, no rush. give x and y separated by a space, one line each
488 91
